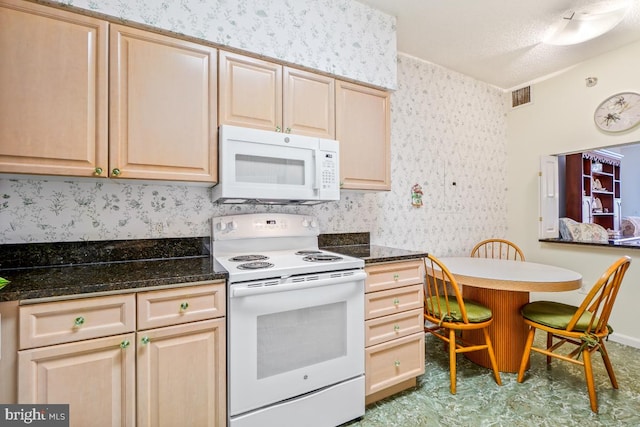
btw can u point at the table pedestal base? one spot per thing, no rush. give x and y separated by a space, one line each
508 331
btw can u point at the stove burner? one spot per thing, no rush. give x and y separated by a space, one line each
308 252
322 258
257 265
245 258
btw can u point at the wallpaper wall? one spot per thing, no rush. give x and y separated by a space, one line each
446 128
341 37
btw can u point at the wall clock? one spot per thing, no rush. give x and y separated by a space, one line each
619 112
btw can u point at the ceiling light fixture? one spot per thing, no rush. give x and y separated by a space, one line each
587 23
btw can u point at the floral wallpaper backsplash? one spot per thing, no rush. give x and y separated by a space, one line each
448 134
341 37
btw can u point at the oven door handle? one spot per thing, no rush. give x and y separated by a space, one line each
260 290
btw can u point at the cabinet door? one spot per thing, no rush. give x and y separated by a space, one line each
363 129
393 362
250 92
309 104
53 86
95 377
163 107
182 375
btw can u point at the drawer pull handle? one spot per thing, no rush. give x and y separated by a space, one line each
145 340
79 321
124 344
396 328
396 301
396 277
184 306
397 363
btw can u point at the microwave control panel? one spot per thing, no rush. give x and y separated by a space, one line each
329 170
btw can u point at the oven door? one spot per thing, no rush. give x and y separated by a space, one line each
293 337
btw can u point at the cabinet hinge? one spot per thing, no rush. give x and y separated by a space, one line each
539 173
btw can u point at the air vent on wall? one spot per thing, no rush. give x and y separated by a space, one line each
521 96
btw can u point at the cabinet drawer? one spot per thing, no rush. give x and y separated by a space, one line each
393 301
180 305
393 275
73 320
386 328
393 362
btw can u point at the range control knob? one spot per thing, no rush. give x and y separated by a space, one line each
232 225
222 226
305 222
314 223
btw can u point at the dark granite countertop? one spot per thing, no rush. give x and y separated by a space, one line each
113 276
49 270
45 270
358 245
372 254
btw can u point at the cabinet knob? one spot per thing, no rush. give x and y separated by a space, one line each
124 344
98 171
287 130
79 321
396 363
116 172
145 340
396 328
396 301
396 277
184 306
278 129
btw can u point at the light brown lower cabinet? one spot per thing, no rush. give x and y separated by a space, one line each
394 328
95 377
181 375
162 376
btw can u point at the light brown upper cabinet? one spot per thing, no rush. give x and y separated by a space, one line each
53 86
364 131
153 115
264 95
163 116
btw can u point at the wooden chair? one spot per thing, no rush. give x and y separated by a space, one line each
447 312
584 328
497 248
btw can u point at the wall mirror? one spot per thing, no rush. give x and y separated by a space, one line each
600 186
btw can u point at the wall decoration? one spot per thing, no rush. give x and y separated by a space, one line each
416 196
619 112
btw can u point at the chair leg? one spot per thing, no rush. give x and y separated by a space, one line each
492 356
549 344
588 372
608 365
526 353
452 360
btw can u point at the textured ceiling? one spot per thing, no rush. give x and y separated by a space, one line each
498 41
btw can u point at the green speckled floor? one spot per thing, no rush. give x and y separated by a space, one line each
555 396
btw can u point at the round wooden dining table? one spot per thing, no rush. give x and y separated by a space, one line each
504 287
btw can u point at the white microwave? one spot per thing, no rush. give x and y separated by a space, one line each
264 167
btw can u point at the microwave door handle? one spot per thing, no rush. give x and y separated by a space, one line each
318 177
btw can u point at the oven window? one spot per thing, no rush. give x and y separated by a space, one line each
294 339
269 170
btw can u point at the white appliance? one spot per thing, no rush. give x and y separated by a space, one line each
295 323
257 166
